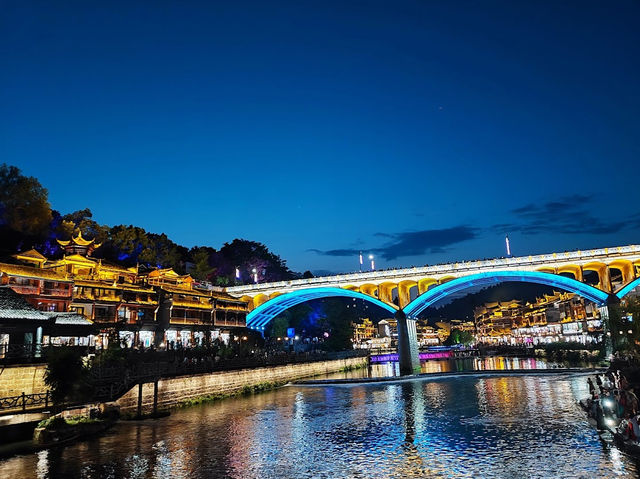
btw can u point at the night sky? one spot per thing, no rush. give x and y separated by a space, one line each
419 131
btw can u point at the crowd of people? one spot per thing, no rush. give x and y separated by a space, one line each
613 403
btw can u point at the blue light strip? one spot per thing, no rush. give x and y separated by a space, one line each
627 289
486 279
259 317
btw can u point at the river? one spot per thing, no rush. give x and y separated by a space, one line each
488 427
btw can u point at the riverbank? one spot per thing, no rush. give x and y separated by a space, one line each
173 392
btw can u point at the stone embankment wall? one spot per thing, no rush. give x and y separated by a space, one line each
14 380
173 391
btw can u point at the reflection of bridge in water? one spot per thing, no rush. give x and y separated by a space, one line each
599 275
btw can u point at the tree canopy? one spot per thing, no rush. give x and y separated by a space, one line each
27 221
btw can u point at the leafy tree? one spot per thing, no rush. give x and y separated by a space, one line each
65 375
338 314
279 326
458 336
248 256
81 221
167 254
201 266
128 245
24 205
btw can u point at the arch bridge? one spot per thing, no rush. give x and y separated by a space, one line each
599 275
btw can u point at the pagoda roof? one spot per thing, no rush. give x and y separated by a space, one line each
14 306
78 259
80 241
31 272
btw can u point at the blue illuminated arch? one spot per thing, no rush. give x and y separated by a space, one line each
628 288
259 317
441 291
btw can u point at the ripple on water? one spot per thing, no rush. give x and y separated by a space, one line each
491 427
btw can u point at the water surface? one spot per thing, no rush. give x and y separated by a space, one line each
491 427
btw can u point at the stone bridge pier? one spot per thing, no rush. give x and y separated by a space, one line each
408 353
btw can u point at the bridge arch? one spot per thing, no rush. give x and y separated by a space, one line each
261 315
628 288
494 277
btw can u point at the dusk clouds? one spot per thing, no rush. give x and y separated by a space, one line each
412 243
567 215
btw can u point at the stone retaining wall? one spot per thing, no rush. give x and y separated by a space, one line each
16 379
173 391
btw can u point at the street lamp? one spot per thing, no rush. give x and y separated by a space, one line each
361 261
255 275
373 265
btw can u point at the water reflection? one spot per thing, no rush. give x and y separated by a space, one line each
490 427
497 363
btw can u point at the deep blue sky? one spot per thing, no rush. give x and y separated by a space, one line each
422 131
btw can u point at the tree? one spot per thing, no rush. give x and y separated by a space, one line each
81 221
458 336
338 317
128 245
201 268
24 205
248 256
65 375
279 326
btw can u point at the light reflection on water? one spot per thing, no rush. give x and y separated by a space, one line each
491 427
449 365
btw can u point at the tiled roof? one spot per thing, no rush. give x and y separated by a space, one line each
31 272
14 306
136 289
93 283
32 253
75 319
192 292
227 297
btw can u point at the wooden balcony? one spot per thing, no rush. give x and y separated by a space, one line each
57 292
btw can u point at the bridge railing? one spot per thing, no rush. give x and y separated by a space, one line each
25 402
459 266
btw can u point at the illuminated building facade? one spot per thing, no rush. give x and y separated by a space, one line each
427 335
157 308
560 316
363 330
